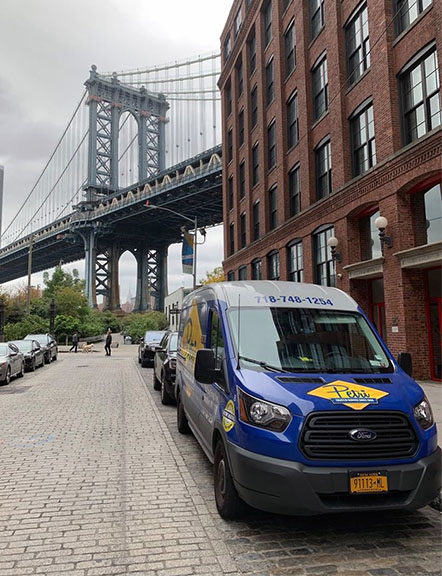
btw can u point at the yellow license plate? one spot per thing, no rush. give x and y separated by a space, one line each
369 483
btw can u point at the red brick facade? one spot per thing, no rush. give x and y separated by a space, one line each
393 186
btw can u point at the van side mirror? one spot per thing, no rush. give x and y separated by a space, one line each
404 361
205 371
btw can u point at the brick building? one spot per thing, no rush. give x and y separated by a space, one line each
331 118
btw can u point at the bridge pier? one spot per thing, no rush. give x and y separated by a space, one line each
151 278
90 247
114 282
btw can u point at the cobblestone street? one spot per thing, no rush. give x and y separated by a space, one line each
95 480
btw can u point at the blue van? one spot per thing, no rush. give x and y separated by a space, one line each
299 404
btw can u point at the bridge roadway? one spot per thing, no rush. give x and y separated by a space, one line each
193 188
96 481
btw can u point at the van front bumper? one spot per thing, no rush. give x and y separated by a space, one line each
286 487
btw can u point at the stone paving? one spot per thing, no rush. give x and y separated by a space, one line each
95 480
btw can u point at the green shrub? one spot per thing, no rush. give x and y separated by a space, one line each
137 324
29 325
65 326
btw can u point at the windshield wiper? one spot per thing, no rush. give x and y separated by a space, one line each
263 364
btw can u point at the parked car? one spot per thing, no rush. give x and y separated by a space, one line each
164 367
32 352
12 362
48 344
148 346
299 404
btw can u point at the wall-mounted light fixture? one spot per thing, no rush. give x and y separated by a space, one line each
381 223
332 243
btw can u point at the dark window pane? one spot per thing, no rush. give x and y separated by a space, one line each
242 273
231 239
229 99
252 52
289 49
407 12
273 266
255 166
292 121
317 20
229 145
273 208
242 179
230 192
295 262
256 221
325 269
243 230
238 23
323 170
294 192
256 270
363 141
267 19
254 106
241 127
320 89
271 145
270 88
358 45
239 77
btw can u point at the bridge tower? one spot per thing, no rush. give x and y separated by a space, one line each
108 99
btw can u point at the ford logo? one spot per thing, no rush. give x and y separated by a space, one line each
362 435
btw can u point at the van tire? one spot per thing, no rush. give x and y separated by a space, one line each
166 398
228 503
181 419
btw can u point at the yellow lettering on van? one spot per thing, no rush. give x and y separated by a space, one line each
192 335
352 395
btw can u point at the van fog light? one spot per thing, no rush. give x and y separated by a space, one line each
263 414
424 414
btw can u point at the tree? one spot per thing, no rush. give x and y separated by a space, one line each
61 279
70 302
217 275
137 324
65 326
29 325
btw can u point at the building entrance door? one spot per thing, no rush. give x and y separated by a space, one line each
377 308
434 319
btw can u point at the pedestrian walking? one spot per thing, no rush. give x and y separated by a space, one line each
107 346
74 342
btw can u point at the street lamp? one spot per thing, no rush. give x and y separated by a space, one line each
195 226
381 223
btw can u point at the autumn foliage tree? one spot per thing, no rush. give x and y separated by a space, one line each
217 275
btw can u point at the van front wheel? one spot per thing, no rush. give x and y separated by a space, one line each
228 503
181 418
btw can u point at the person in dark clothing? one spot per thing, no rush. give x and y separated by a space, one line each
74 342
107 346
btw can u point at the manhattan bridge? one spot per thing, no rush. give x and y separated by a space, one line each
135 136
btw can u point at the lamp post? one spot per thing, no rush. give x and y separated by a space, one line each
195 225
52 316
381 223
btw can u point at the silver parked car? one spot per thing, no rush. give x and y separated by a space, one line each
12 362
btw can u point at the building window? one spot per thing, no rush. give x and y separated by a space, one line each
420 96
229 145
271 145
363 145
323 167
227 48
270 86
230 192
295 197
273 265
426 208
325 269
295 262
369 237
255 164
267 19
285 4
248 3
378 307
239 77
256 220
228 99
256 270
320 88
273 207
242 273
290 49
231 239
231 276
241 127
358 45
317 18
407 11
242 222
237 24
254 106
242 179
252 52
292 121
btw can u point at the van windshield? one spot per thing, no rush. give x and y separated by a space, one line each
307 340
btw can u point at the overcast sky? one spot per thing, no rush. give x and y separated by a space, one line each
46 50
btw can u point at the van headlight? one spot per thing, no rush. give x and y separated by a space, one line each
424 414
262 414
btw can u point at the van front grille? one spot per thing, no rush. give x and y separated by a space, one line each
325 436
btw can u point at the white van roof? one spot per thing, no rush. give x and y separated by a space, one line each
282 294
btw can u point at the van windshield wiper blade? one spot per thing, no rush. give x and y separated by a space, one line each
263 364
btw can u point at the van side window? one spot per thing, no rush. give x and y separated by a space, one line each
217 340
